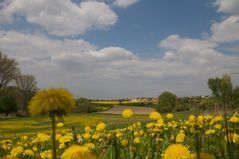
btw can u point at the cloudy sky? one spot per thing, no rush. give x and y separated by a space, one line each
105 49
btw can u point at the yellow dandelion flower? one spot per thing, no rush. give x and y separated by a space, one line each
191 118
24 138
86 136
210 132
141 132
76 151
233 137
28 153
62 145
200 118
96 136
60 125
119 135
87 129
35 148
137 140
169 115
124 142
127 113
16 151
203 155
177 151
90 145
217 118
160 123
149 125
155 116
101 126
218 126
110 136
136 133
234 119
57 100
46 154
180 137
58 136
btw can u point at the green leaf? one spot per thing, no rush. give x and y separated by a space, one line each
110 153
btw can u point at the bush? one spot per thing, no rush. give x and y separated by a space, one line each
84 105
207 104
86 108
181 107
163 109
8 105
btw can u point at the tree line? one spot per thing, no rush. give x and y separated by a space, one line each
16 89
224 97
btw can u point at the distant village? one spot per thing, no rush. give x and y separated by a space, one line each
154 99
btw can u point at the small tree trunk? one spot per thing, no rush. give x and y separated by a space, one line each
54 135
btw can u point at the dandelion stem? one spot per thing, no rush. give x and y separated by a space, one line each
54 134
229 152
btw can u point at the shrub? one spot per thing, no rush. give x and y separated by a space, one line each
163 109
86 108
84 105
181 107
207 104
8 105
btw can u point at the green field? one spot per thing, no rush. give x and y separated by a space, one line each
30 125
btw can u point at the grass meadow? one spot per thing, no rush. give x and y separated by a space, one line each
18 126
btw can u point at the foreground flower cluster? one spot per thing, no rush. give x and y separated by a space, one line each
166 138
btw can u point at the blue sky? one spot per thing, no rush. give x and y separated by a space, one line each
141 26
122 48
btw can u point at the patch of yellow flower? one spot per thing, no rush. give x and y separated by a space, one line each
76 151
127 113
155 116
177 151
159 138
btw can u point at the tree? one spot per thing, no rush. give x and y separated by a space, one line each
214 85
8 105
222 91
9 70
28 87
167 101
235 97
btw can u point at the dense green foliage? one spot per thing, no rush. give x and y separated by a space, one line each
14 84
223 92
8 105
181 107
167 102
85 105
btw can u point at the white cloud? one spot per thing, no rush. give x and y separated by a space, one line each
60 17
175 42
124 3
226 30
116 72
191 51
227 6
